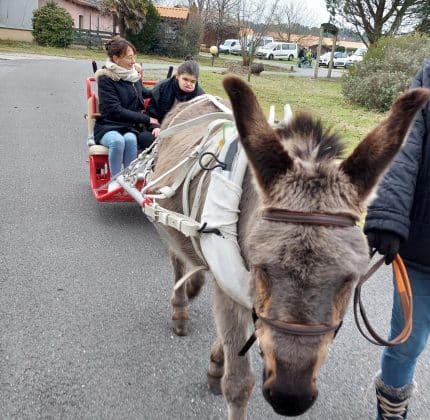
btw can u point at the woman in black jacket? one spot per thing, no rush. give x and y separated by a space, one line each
121 103
179 88
398 220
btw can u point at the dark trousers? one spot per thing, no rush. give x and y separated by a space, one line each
144 139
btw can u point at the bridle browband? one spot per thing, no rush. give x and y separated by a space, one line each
272 214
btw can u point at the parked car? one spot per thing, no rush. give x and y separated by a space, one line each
227 45
237 49
339 59
278 50
356 57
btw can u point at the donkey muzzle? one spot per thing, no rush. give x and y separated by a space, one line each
289 399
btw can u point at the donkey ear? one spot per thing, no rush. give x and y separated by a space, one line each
261 143
373 155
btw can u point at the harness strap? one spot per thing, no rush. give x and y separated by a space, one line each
180 222
184 278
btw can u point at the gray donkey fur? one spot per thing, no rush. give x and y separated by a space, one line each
299 273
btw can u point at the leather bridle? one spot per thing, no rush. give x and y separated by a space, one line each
337 220
341 220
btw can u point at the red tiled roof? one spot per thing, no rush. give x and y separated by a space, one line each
180 13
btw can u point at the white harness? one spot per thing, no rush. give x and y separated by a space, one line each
215 237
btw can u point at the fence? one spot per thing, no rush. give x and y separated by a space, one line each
89 38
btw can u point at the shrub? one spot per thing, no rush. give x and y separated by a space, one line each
189 38
52 26
146 40
386 71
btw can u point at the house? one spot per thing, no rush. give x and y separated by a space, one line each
172 20
85 14
16 15
15 19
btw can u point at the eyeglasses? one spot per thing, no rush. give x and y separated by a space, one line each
129 57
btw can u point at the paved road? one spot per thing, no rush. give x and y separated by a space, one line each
291 69
84 314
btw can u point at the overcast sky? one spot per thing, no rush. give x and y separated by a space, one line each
318 10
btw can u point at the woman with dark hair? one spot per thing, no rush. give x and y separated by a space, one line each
121 104
181 87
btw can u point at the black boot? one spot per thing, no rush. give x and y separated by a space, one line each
392 402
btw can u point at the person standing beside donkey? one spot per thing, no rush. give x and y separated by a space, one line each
398 221
121 103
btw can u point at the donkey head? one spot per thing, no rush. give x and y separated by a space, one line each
303 274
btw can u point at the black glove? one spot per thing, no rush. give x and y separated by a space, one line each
385 242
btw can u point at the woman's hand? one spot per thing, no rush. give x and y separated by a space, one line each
156 132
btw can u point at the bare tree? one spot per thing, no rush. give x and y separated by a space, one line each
373 19
203 7
223 12
217 15
289 15
254 20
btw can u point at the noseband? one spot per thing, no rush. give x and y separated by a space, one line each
319 219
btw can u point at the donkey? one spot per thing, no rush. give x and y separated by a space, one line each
298 239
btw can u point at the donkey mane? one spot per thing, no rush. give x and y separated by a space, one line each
307 139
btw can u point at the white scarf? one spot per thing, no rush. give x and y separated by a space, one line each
124 74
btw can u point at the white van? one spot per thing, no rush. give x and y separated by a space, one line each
237 49
279 50
227 45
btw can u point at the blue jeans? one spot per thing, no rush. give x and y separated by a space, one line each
122 149
398 362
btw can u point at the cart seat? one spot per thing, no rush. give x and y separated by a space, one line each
98 149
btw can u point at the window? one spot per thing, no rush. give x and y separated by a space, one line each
81 22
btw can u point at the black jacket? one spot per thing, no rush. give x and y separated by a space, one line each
164 95
120 105
402 204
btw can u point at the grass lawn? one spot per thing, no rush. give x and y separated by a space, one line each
321 97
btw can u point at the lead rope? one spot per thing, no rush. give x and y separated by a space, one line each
405 295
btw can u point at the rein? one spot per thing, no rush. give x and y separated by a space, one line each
341 220
405 295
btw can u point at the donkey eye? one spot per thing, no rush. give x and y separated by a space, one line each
347 280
